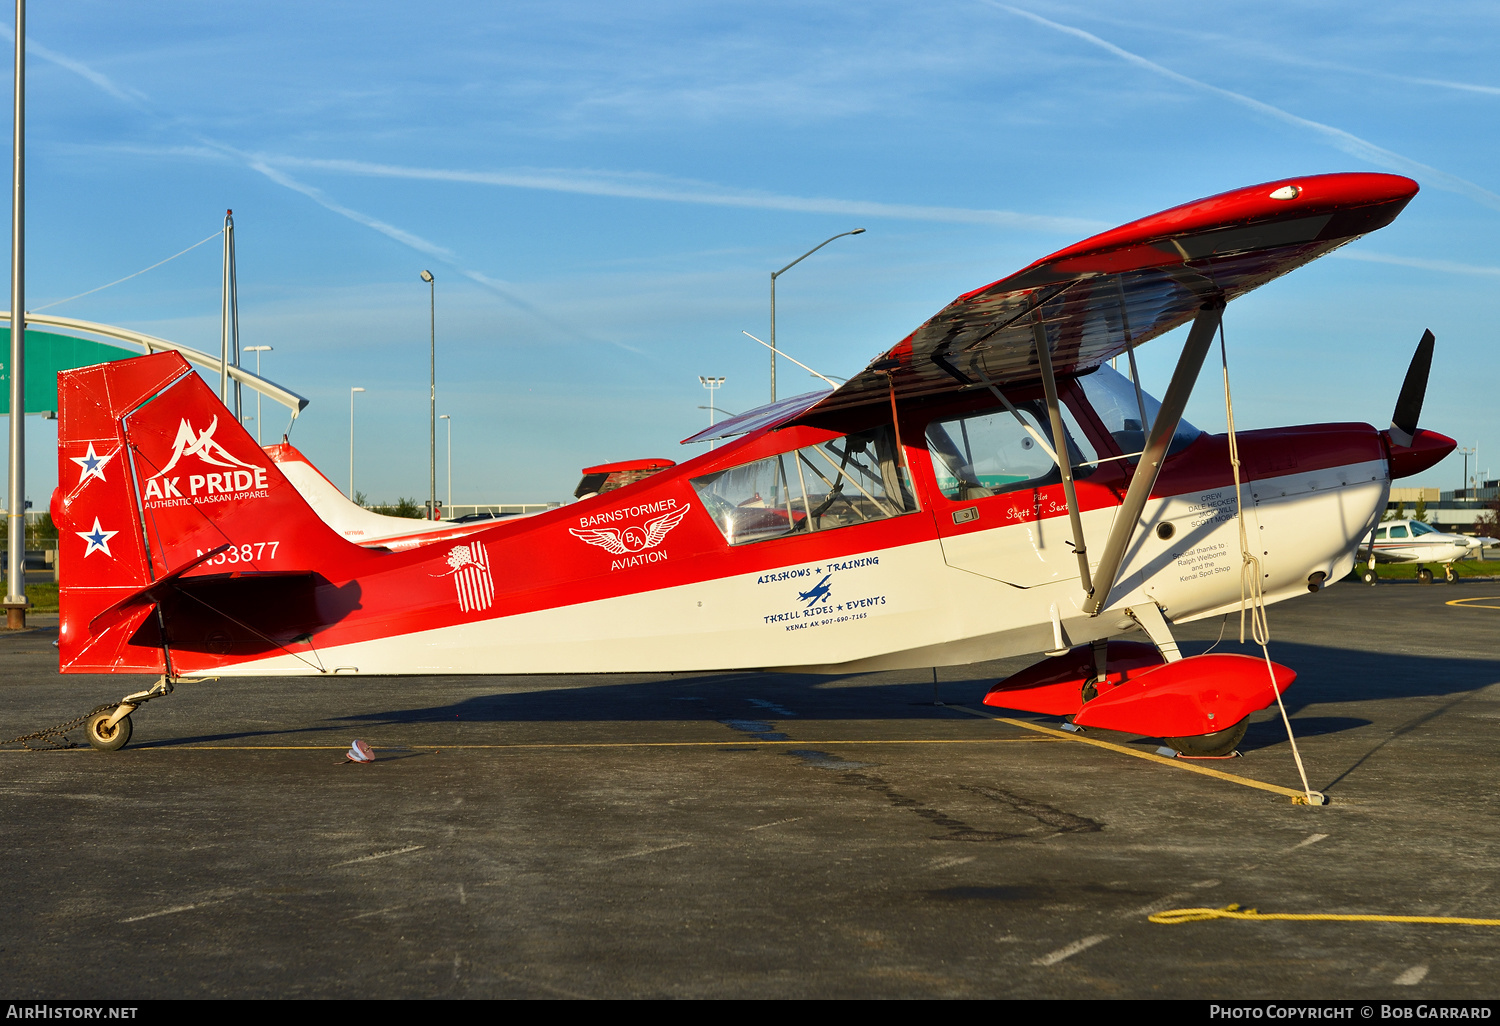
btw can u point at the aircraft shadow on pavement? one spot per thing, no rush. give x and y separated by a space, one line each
1325 676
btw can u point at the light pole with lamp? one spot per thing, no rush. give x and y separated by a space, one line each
450 461
351 441
432 396
257 350
711 384
778 274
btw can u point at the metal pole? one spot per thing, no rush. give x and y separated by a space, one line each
224 313
351 441
432 396
778 274
234 317
773 336
257 350
450 460
15 596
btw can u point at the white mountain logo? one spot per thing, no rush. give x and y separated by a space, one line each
237 480
203 446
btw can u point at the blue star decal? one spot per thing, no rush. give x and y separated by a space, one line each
98 540
91 464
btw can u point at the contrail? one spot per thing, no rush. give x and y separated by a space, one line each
1442 266
1271 53
421 245
213 147
1340 139
656 187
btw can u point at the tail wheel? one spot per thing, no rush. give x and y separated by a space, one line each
1219 743
1424 575
1368 575
107 739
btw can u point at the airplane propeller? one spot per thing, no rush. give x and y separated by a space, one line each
1413 391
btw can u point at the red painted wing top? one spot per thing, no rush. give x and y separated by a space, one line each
1128 285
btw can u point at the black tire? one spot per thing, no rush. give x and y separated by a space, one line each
1220 742
1450 573
1424 576
107 739
1368 576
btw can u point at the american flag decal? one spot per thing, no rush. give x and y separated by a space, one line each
471 576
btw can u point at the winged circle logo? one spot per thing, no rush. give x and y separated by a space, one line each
636 543
236 479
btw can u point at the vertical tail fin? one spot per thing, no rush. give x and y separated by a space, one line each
154 472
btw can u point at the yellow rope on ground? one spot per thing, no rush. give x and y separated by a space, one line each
1195 915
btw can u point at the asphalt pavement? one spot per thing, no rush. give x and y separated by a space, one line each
761 835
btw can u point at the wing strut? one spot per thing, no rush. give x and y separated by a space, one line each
1060 449
1200 337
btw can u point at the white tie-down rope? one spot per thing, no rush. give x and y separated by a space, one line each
1252 595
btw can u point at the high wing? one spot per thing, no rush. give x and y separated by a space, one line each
1118 289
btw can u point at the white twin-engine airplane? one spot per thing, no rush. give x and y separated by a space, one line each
987 487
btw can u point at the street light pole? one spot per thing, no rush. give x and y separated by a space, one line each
432 397
450 461
778 274
711 384
351 441
257 350
15 515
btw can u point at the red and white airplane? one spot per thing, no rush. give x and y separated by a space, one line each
918 515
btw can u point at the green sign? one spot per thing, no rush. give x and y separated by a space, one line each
46 354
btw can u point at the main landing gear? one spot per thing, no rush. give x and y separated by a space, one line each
1424 575
1199 705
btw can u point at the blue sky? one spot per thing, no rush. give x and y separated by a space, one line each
603 189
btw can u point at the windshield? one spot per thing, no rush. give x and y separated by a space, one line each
1114 400
1417 527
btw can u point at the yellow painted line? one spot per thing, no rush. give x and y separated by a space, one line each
167 747
1472 603
1181 764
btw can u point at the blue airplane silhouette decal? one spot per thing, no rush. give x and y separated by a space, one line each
818 593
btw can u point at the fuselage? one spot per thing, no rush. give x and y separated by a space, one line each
926 556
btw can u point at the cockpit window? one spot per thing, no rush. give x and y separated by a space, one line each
998 451
1398 532
853 479
1113 398
1418 528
